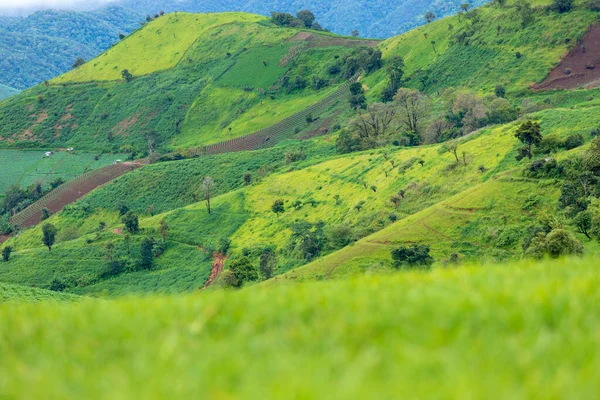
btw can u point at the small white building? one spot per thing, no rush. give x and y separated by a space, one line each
48 154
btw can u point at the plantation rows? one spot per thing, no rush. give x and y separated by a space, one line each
69 192
271 135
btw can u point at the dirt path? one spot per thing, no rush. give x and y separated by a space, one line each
217 268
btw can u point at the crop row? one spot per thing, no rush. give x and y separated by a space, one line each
105 174
271 135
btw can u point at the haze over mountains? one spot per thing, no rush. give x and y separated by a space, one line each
45 43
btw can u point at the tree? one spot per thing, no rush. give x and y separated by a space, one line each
438 130
429 17
45 214
131 222
526 12
416 255
394 67
247 178
375 122
278 207
6 251
465 7
357 96
49 235
267 263
529 133
78 62
126 75
307 17
414 107
584 223
355 33
500 91
562 6
243 270
452 148
282 19
229 279
207 188
591 158
163 229
593 5
556 244
121 36
146 254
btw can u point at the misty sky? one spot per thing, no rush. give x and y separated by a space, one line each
12 5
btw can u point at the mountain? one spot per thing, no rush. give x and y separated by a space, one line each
47 43
377 19
6 91
328 190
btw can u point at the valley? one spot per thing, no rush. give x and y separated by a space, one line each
225 187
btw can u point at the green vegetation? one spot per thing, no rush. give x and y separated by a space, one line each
391 330
40 46
21 294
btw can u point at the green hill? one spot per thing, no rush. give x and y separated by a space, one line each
494 331
6 92
341 211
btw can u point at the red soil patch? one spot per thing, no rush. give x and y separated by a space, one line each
580 68
316 40
122 127
4 238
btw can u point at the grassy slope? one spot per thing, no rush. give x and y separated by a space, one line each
490 59
221 82
518 331
159 46
478 216
22 294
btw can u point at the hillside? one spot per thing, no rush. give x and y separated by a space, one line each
342 211
203 61
484 331
198 91
6 92
25 295
380 19
44 44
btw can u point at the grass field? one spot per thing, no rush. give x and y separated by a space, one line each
26 167
511 331
159 46
23 294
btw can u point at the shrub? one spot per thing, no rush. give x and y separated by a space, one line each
562 6
556 244
6 251
416 255
131 222
574 141
243 270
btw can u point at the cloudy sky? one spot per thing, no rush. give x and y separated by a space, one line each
22 5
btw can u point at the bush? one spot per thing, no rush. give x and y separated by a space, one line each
556 244
562 6
243 270
416 255
574 141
